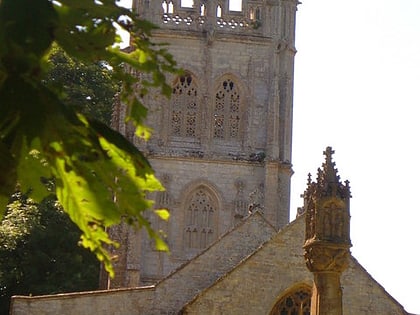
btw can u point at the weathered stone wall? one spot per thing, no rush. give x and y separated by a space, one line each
248 62
201 272
258 283
111 302
185 175
236 274
168 296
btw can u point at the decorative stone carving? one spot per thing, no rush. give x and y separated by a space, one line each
240 203
326 204
323 258
256 200
327 236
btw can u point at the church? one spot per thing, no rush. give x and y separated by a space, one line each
222 148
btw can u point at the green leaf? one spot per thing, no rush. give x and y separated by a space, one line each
100 178
163 214
33 171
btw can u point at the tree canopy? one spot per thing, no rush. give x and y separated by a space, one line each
86 87
100 178
39 252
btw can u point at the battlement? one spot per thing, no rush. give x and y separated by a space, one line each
235 16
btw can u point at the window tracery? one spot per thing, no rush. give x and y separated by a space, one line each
227 111
296 303
184 108
200 219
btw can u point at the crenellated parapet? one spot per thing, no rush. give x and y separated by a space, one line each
199 14
249 17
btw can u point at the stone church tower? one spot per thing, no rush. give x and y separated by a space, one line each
222 144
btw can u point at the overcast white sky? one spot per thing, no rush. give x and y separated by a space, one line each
357 89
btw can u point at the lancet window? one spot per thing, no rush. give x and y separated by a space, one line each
227 111
219 11
295 303
184 108
168 6
200 219
255 14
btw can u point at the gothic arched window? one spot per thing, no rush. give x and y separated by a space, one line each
297 302
227 111
200 219
184 108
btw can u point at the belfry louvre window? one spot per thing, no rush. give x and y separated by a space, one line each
296 303
184 108
200 219
227 111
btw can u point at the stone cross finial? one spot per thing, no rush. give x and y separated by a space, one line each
328 153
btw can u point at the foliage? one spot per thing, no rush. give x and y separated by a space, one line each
100 177
38 252
88 88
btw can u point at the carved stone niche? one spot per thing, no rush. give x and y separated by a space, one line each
328 235
331 222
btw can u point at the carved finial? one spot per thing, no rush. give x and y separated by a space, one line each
327 236
326 203
328 181
329 171
328 153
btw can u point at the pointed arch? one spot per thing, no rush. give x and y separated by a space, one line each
201 208
228 109
294 301
184 118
